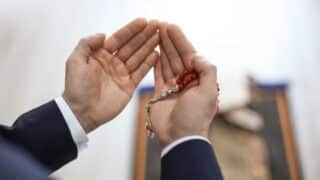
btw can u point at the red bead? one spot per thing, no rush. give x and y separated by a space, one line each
186 78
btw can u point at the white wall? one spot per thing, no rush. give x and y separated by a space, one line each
36 38
272 39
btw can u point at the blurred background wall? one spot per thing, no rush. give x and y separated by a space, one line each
274 40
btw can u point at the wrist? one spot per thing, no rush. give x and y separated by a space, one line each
81 113
175 136
177 142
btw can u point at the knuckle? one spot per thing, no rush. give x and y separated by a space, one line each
124 53
130 65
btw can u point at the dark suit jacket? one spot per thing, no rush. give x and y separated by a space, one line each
191 160
40 142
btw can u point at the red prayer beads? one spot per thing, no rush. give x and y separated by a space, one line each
186 78
182 82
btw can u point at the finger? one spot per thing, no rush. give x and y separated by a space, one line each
182 44
172 54
137 41
140 73
87 45
207 73
103 55
158 77
123 35
140 55
165 66
104 58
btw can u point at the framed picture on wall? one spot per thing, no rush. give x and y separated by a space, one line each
241 152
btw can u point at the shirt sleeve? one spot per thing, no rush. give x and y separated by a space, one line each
78 134
180 141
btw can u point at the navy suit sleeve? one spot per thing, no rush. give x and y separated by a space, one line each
44 134
191 160
16 164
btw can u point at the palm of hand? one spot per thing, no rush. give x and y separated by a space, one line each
104 86
164 113
180 111
160 115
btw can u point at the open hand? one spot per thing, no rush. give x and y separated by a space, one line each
191 111
102 74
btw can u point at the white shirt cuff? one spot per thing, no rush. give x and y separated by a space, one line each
180 141
78 134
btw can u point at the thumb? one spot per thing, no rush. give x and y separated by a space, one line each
207 73
89 44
